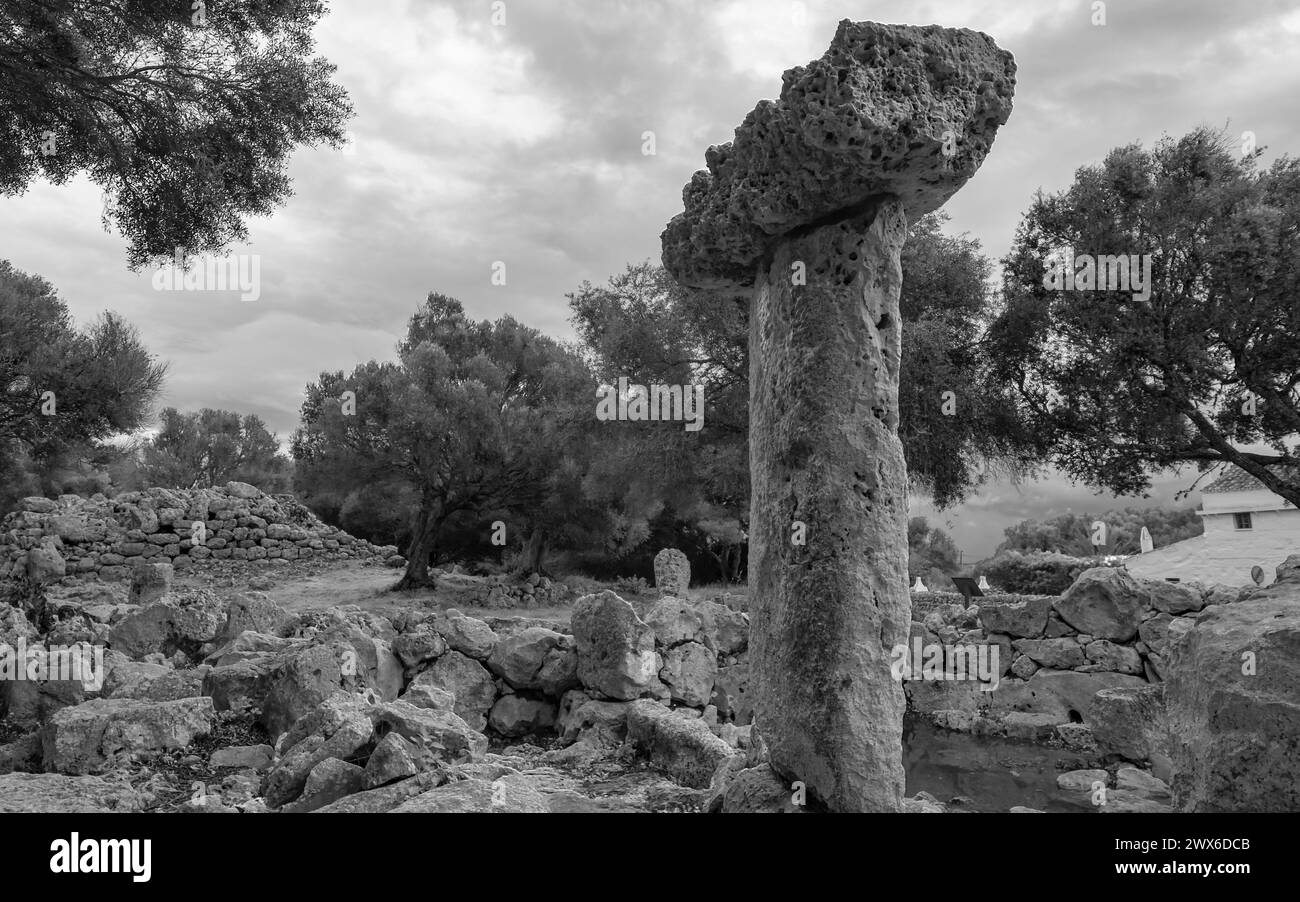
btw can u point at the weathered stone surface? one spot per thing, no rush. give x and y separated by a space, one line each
253 757
1061 653
758 790
395 758
45 564
150 581
682 747
832 713
521 657
820 184
586 718
510 794
300 681
516 715
1234 734
675 620
340 727
1109 656
1171 598
329 781
256 613
1023 619
1062 693
153 682
1082 780
58 794
89 737
446 736
1129 721
616 649
384 798
689 671
467 680
672 572
416 648
870 118
467 635
168 626
1105 603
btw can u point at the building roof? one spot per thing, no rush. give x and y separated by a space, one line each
1235 479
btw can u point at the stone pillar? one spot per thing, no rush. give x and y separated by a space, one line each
825 453
887 125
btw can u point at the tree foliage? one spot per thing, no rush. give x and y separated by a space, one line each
185 114
466 419
1118 387
212 447
64 388
1071 533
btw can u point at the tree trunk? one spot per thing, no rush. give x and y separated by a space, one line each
825 452
530 558
423 543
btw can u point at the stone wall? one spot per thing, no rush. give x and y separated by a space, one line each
105 537
1108 631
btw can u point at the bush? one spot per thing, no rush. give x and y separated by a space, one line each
1035 572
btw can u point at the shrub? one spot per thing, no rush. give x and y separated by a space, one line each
1035 572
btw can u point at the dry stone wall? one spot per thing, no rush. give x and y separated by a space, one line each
46 539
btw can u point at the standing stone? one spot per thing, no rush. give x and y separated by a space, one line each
672 572
806 213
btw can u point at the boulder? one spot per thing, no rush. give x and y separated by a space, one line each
515 715
329 781
682 747
536 658
255 612
442 734
90 737
58 794
1232 690
1025 619
150 581
1067 694
45 564
467 680
1105 603
592 720
168 626
151 682
467 635
1172 598
689 671
1118 658
249 757
616 649
340 727
758 790
395 758
510 794
1060 653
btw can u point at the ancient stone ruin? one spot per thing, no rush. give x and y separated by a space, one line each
106 537
672 572
806 212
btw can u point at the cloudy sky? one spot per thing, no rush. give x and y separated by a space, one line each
476 142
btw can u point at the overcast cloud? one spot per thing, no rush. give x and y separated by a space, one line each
476 143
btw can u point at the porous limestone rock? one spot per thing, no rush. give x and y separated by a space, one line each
807 211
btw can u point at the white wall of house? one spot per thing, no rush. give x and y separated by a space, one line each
1226 554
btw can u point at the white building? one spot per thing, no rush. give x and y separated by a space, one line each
1246 525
